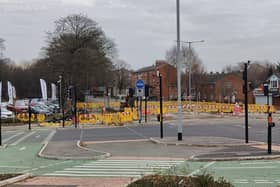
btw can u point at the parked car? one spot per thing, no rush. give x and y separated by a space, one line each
6 114
19 106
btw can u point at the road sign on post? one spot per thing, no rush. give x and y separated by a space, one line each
140 86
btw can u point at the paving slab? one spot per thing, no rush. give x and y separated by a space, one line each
76 181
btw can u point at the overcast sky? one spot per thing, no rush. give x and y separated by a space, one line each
234 31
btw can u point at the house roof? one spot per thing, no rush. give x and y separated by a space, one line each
145 69
158 64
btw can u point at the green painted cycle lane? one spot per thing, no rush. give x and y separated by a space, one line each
260 173
23 158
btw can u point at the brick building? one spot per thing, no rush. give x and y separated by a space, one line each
226 88
149 76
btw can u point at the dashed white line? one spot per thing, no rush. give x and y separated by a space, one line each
11 137
23 138
22 148
204 167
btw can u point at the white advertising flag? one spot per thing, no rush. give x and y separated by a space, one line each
14 92
10 93
44 89
0 92
53 91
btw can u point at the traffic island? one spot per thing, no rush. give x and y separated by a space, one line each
7 179
238 152
69 150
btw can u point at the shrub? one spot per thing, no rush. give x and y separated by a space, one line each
204 180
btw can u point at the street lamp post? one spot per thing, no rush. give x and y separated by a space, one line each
190 66
180 129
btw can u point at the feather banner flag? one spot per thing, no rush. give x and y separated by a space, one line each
10 93
44 89
53 91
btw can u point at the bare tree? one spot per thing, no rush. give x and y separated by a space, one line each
190 61
2 47
122 74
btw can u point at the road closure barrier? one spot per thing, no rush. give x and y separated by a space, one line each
153 108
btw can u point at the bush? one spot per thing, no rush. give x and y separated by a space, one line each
205 180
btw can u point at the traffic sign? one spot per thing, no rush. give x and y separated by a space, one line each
140 84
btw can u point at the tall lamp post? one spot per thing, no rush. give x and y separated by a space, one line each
190 66
180 129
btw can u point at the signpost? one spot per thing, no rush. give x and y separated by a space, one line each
140 86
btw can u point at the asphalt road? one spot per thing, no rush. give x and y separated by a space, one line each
223 127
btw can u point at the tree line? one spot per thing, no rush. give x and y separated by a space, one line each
258 71
78 50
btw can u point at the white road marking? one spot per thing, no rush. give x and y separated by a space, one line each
112 168
49 137
264 182
23 138
11 137
253 167
204 167
38 136
22 148
46 166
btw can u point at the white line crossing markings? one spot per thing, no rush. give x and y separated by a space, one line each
115 168
11 137
23 138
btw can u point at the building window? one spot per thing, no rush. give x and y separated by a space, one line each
274 84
